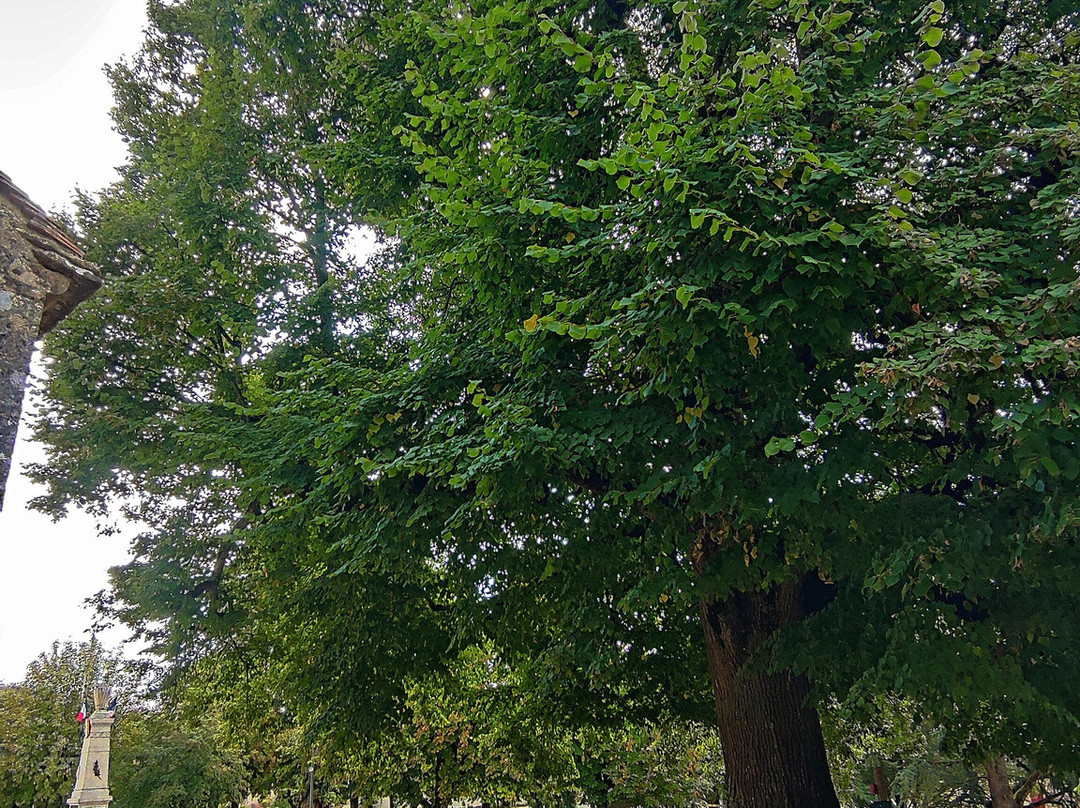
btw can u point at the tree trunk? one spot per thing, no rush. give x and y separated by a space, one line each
1001 793
437 798
881 785
774 753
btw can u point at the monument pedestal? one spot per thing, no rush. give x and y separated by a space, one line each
92 781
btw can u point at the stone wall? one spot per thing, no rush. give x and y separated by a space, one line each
42 278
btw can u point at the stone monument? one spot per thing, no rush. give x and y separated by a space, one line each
43 277
92 779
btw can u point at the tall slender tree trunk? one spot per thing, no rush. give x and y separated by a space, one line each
774 753
1001 793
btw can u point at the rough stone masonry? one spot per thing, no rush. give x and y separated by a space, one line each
43 277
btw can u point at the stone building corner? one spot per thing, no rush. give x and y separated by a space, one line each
43 277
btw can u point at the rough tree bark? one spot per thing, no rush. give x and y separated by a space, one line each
1001 793
881 785
774 752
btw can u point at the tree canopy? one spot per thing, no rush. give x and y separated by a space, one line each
163 764
750 318
40 736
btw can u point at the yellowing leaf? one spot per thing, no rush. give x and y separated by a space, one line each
751 342
530 324
997 361
973 398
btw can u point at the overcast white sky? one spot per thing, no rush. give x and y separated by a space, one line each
55 134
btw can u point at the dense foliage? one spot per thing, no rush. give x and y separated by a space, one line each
40 738
753 316
482 732
163 764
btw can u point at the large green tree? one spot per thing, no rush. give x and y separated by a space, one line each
759 308
161 763
756 319
40 737
221 247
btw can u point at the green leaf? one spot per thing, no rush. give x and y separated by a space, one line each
911 176
932 37
930 59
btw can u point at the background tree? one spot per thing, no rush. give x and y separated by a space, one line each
40 738
161 763
221 221
238 695
484 732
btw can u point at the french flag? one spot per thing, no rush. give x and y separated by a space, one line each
82 713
